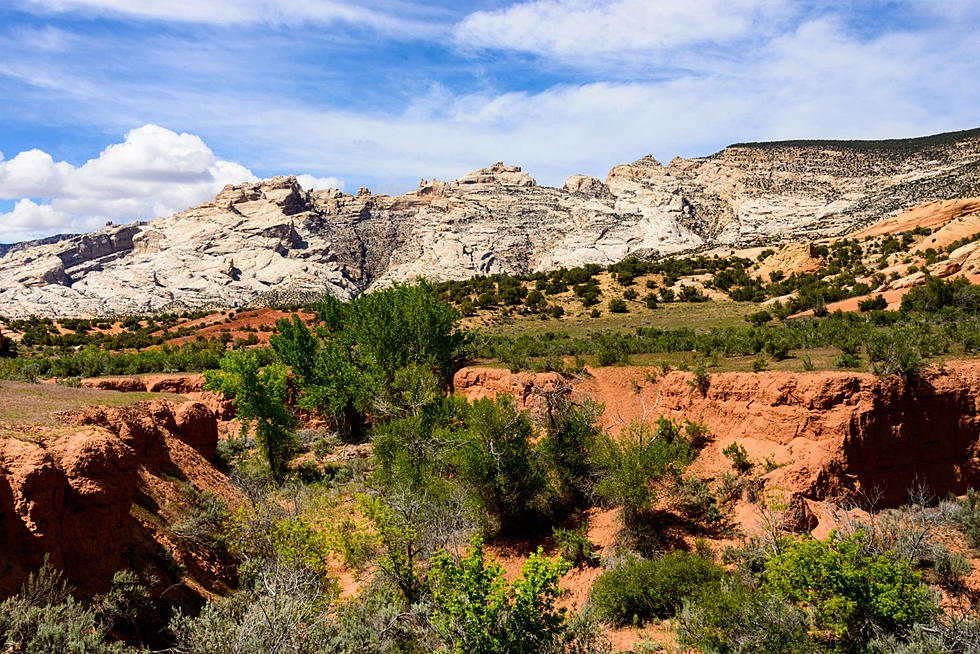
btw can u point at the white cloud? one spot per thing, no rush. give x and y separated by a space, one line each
580 28
319 183
153 172
238 12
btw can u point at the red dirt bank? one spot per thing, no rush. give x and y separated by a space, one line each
832 433
95 493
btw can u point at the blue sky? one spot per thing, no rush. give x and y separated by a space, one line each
124 109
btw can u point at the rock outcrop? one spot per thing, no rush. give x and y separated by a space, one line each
274 242
831 434
90 494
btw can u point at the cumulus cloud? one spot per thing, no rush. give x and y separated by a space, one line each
153 172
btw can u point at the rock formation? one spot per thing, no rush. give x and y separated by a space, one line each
831 434
273 242
94 494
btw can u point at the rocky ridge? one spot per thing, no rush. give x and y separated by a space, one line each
273 241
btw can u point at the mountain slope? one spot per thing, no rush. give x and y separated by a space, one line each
273 241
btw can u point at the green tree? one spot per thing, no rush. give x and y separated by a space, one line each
497 461
636 460
261 397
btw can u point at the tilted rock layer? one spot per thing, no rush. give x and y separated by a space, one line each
272 241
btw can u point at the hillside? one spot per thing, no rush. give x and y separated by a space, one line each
274 242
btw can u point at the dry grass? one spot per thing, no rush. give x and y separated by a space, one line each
22 403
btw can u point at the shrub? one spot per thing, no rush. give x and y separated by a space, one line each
640 590
574 545
738 456
569 448
760 363
475 610
44 618
650 300
701 380
851 592
733 617
759 318
950 567
967 516
698 501
499 464
692 294
618 305
630 294
633 463
876 303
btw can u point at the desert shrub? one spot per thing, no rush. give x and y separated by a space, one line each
760 363
950 567
205 523
738 456
286 610
650 300
698 501
634 462
895 353
630 294
692 294
876 303
475 610
568 449
618 305
498 462
733 617
613 352
574 545
639 590
759 318
701 380
967 516
44 618
851 592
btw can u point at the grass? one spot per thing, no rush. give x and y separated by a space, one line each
22 403
672 315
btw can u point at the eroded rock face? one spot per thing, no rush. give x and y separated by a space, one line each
70 492
831 433
274 241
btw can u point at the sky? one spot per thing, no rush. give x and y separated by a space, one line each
123 110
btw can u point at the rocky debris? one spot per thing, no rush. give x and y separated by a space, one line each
80 493
273 241
830 434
